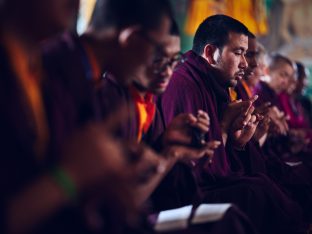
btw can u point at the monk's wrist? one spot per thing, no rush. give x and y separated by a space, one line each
65 182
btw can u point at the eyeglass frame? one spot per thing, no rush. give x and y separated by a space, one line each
160 48
168 63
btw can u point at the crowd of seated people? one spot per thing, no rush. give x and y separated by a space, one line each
117 131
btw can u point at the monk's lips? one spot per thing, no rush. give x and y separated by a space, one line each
239 75
163 82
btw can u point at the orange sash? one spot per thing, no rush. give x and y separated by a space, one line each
145 109
30 77
247 89
233 94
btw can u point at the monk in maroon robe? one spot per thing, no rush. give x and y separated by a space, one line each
201 83
178 188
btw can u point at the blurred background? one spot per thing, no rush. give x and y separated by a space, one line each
283 26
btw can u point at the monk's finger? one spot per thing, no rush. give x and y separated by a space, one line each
250 110
203 118
213 144
202 114
253 119
254 98
203 127
188 118
209 153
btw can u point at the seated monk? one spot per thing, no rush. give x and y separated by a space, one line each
216 63
178 187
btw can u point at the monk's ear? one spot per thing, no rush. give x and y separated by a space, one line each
128 35
211 54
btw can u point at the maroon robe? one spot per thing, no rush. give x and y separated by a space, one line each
76 102
194 87
178 188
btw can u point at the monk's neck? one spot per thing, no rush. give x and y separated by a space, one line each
140 90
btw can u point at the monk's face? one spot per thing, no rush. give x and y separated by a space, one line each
134 60
292 83
281 77
252 57
254 78
232 62
158 74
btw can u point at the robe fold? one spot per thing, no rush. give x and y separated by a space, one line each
193 87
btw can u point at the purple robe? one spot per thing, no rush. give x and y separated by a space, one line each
193 87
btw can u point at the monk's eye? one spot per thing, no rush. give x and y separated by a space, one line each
238 52
249 55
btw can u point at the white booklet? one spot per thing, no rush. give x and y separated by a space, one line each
175 219
210 212
294 164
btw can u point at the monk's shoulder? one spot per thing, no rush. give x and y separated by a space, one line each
182 79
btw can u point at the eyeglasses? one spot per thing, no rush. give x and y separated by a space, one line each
161 64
